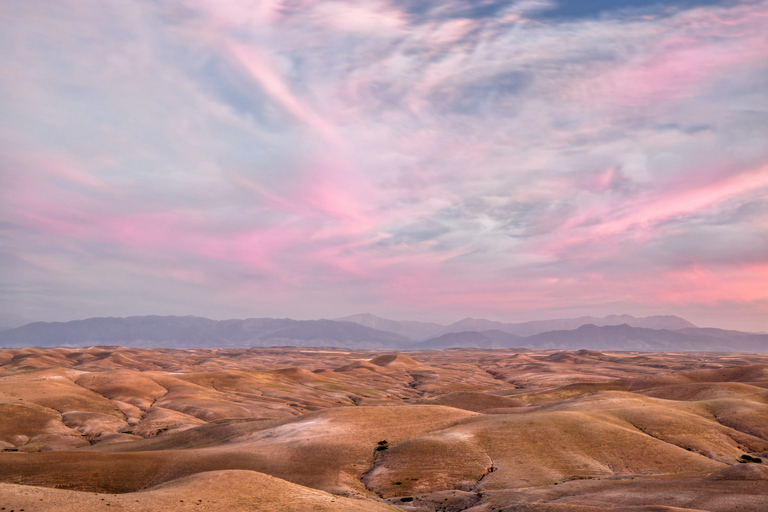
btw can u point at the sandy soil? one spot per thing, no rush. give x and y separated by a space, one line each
109 428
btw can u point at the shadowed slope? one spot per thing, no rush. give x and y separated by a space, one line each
395 361
474 401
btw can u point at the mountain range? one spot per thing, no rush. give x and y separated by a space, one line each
366 331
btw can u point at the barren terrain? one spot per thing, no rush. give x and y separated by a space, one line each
295 429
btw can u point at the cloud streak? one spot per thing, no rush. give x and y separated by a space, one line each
319 158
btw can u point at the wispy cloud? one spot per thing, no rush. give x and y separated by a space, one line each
320 157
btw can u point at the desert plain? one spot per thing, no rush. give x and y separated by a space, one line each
303 429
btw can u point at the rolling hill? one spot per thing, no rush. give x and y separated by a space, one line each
290 429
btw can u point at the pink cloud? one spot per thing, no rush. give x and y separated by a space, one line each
218 17
371 18
641 219
285 249
703 285
450 32
686 202
673 73
43 170
174 236
674 66
666 289
381 148
601 182
332 186
263 72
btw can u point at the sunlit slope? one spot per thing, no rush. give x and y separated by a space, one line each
452 430
62 408
743 487
329 450
217 490
512 451
606 434
45 409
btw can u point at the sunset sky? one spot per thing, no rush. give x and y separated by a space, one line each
415 159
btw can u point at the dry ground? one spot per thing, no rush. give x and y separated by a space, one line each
284 429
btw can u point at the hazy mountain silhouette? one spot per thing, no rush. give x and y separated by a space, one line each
484 339
626 337
607 337
194 332
197 332
137 331
332 333
408 328
539 326
422 331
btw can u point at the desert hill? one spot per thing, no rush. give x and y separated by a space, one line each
335 429
232 490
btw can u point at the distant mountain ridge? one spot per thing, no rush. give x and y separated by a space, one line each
539 326
198 332
611 337
421 331
350 332
410 329
484 339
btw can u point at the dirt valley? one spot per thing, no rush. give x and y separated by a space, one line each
300 429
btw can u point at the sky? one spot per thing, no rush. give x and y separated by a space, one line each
415 159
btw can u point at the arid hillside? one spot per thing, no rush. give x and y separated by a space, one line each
298 429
